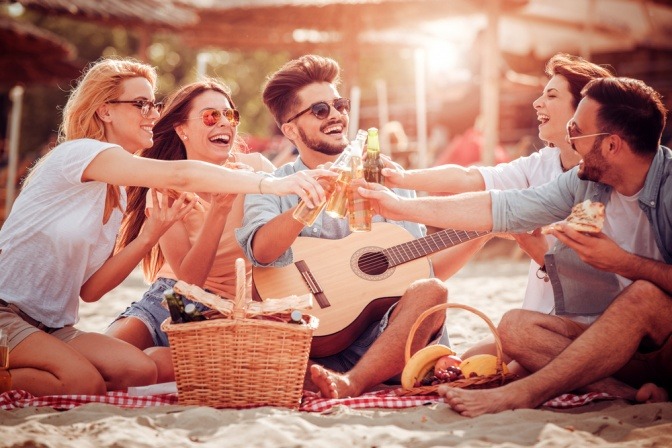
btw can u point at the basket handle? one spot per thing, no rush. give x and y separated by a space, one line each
444 306
240 300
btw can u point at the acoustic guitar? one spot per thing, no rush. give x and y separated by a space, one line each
354 279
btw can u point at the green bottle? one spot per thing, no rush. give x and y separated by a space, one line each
373 164
193 313
175 306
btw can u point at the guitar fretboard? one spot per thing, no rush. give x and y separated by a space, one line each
443 239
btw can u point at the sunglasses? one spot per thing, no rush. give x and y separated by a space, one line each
145 106
322 109
211 117
571 128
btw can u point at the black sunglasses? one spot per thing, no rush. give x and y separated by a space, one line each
321 109
145 106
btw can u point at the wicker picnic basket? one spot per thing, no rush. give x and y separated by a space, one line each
239 362
476 382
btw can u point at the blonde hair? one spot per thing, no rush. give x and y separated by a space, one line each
99 83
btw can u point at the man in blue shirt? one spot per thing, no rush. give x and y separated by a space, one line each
306 105
627 351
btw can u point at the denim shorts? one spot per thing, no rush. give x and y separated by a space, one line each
150 311
344 361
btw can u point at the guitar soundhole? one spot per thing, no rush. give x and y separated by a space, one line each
370 263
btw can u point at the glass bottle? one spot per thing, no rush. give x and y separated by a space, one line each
337 207
193 313
359 208
5 376
175 306
373 164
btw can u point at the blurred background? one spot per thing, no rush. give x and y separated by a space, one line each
446 81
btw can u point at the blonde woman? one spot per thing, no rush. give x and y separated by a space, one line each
56 245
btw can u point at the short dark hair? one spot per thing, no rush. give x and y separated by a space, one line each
631 109
577 71
280 92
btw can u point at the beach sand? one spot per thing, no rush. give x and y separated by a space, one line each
491 286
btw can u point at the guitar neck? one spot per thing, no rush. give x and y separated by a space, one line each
421 247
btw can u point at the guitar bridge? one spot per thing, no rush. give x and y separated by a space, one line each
313 284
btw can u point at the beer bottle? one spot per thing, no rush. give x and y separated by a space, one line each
337 207
296 317
307 216
175 306
5 376
359 208
193 313
373 163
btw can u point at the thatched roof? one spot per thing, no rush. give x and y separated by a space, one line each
154 13
271 24
31 55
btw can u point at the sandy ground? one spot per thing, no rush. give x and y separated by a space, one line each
492 287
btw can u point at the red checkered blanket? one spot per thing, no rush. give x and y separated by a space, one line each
311 402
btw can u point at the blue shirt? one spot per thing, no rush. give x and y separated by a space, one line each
574 281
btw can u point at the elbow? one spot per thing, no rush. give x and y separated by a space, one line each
90 296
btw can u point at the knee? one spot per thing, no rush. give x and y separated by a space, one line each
642 296
139 371
427 292
514 325
85 380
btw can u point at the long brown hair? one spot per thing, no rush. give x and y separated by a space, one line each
577 71
99 83
167 146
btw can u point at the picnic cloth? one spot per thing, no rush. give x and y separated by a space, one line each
311 402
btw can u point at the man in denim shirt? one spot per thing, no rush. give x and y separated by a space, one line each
304 100
617 130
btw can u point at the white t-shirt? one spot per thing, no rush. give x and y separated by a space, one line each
54 238
627 225
525 172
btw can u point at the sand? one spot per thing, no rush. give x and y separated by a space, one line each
492 287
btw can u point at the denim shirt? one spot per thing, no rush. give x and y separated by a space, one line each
261 208
579 288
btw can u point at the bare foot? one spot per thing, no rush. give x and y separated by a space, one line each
650 393
330 384
472 403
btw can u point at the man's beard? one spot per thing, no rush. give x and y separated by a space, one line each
324 147
594 164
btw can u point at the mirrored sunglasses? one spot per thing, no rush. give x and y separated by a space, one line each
211 117
322 109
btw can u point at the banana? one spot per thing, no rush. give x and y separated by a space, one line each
422 362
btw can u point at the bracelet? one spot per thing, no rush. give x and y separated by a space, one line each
260 182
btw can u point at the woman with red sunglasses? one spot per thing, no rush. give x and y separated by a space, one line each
200 122
57 243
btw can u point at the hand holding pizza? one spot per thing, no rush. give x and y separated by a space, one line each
582 231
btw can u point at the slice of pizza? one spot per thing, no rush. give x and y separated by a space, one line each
587 217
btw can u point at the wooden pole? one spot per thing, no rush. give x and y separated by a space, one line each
490 57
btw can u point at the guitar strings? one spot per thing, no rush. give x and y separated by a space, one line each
408 251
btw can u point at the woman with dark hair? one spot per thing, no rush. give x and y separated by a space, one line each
200 122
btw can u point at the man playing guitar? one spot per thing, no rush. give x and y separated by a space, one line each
306 105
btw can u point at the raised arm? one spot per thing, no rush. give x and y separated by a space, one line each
119 266
467 211
117 167
440 179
